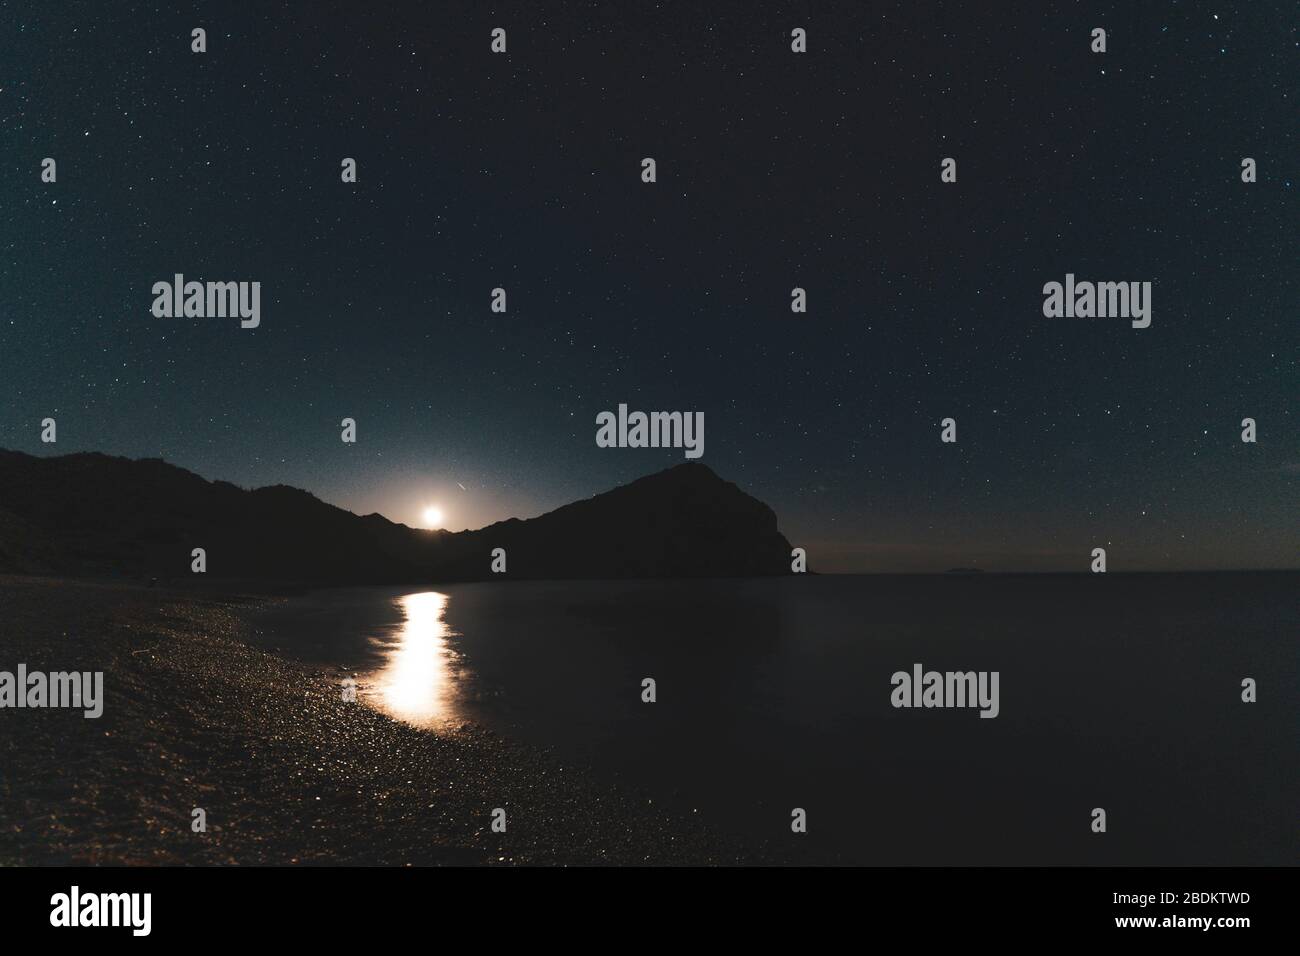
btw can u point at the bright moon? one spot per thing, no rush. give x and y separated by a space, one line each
433 517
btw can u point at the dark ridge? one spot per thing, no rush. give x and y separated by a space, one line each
95 514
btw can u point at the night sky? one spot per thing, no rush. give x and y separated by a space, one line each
775 170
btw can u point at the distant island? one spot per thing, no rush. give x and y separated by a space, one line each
100 515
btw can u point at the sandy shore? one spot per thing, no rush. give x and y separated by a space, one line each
286 771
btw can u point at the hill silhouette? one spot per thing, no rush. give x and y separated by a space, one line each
95 514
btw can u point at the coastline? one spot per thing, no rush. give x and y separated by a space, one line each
285 770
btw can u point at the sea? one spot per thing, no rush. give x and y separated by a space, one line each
774 707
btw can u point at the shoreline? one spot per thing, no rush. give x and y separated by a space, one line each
285 770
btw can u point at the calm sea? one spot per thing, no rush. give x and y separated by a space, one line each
1120 692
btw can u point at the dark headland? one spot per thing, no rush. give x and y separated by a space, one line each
90 514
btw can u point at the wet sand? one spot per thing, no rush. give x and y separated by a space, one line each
286 770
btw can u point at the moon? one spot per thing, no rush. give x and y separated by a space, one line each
433 516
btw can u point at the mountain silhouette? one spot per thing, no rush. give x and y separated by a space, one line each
94 514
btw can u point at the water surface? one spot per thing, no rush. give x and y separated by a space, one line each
1117 691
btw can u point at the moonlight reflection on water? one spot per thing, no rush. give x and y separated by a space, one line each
417 682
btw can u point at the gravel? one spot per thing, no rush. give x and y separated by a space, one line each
285 770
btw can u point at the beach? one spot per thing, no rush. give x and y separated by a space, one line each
285 770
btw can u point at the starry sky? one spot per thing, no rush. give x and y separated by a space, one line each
775 170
